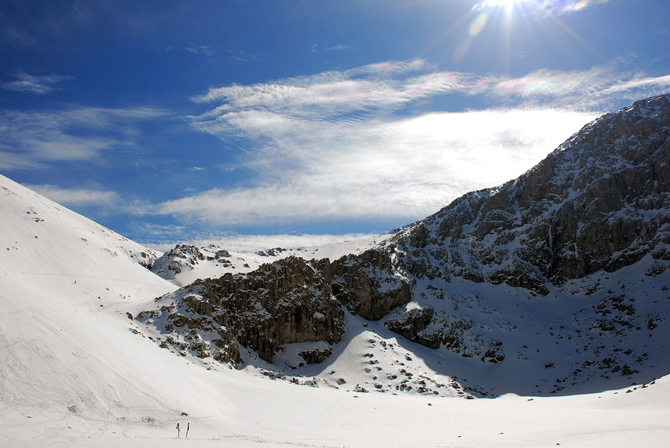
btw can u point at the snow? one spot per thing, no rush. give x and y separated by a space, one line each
75 371
211 265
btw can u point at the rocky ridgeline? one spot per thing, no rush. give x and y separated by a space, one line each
599 202
185 256
285 302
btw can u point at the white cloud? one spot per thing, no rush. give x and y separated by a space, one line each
338 48
32 139
601 87
206 50
389 86
343 145
34 84
76 197
553 6
641 83
405 168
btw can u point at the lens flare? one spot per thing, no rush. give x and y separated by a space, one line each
478 25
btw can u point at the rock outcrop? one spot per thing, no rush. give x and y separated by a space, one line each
371 284
315 356
187 257
280 303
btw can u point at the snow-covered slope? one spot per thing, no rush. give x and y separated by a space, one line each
80 367
65 286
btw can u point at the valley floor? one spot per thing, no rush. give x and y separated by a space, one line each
236 410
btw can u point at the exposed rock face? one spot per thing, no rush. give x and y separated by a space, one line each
315 356
599 201
455 333
412 327
186 257
371 284
289 301
284 302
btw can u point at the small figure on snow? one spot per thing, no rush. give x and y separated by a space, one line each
188 426
177 429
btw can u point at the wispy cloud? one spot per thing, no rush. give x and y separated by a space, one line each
602 87
76 197
31 140
558 7
319 48
640 82
565 6
338 48
34 84
206 50
370 169
397 84
356 144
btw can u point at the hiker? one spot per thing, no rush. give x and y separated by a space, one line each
177 429
188 426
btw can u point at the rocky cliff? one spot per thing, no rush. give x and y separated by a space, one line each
284 302
599 201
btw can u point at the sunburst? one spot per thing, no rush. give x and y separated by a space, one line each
507 4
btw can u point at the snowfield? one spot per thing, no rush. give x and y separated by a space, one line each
76 371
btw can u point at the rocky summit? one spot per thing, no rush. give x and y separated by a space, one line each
573 255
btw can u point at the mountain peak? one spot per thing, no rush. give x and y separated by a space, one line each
581 229
599 201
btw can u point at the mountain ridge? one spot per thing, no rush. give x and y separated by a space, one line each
540 235
571 189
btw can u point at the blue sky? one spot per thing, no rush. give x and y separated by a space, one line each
292 122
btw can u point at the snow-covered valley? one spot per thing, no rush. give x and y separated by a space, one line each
98 350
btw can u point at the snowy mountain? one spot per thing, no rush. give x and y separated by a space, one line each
561 273
66 286
549 294
598 202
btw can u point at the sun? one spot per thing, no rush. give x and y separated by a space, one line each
507 4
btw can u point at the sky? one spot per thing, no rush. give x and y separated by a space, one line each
289 123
